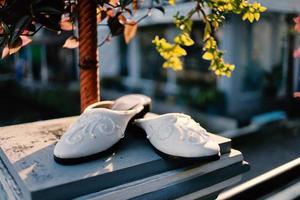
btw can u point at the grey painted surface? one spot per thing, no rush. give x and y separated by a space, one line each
214 189
202 182
8 187
290 192
26 151
188 176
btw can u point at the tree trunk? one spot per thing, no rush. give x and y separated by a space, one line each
89 87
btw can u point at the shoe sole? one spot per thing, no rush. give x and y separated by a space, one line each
186 160
73 161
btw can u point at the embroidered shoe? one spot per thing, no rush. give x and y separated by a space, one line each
99 128
177 135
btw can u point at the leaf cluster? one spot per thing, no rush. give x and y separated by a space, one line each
20 20
212 20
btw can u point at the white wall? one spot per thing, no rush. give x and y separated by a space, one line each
268 42
109 58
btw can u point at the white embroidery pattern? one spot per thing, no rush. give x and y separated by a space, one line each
92 124
186 127
191 130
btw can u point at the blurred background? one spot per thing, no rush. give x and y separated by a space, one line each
255 107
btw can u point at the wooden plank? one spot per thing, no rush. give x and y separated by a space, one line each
26 151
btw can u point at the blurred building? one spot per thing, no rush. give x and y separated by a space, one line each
265 76
39 82
44 61
261 52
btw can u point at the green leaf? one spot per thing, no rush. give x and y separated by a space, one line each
160 8
47 10
130 31
15 46
208 56
19 27
115 26
51 22
207 31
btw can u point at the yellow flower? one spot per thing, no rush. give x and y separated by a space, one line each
208 56
178 51
172 2
251 17
184 39
210 44
256 16
262 9
231 67
248 15
173 63
245 16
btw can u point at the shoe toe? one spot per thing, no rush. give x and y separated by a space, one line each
212 148
65 151
87 145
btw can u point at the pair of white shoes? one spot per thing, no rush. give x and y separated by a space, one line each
102 125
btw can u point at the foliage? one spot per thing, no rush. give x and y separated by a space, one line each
30 16
297 29
219 8
297 51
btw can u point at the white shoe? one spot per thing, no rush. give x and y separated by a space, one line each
178 136
99 128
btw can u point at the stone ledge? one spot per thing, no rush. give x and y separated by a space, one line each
179 182
26 151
